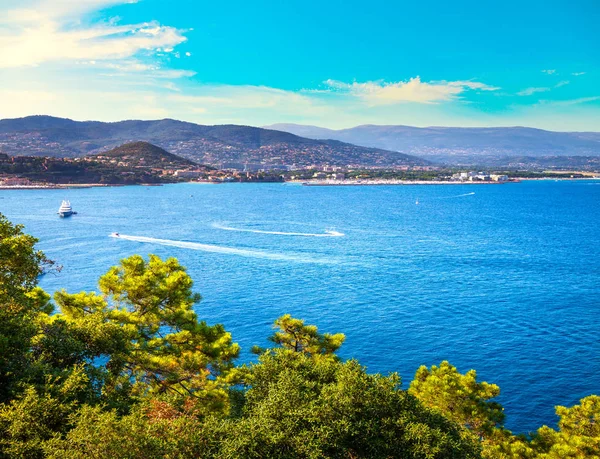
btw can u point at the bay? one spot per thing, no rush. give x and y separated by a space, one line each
504 279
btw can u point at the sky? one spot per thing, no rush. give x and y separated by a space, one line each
330 63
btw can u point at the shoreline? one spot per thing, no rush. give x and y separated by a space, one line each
393 182
388 182
73 186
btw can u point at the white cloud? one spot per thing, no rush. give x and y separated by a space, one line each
414 90
578 73
561 83
549 72
53 31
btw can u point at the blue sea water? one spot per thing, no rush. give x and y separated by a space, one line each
503 279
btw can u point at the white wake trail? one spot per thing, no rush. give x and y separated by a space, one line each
225 250
455 196
327 233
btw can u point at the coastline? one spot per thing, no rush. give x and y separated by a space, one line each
392 182
383 182
73 186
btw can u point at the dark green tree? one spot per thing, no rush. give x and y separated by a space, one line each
21 303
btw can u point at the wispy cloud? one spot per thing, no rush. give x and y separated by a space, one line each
151 70
581 100
530 91
51 31
549 72
414 90
578 73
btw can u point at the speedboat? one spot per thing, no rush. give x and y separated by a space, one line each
114 235
65 209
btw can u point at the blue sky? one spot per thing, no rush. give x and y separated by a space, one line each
330 63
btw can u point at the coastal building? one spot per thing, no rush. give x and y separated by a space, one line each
480 177
473 176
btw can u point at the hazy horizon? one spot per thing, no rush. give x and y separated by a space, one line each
274 125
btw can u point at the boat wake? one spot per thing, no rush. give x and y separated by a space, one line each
327 233
226 250
456 196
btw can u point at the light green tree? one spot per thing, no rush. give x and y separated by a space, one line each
577 437
292 334
144 325
578 434
460 397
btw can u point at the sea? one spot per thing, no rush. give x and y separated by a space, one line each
503 279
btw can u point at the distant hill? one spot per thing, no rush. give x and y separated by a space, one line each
144 154
459 144
219 146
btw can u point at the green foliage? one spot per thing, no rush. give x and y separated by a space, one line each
459 397
21 302
293 335
577 437
20 262
36 416
298 406
145 327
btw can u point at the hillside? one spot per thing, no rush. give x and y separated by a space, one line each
459 144
144 154
76 171
219 146
128 164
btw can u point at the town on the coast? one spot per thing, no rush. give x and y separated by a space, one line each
143 163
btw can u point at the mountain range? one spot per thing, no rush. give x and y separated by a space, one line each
451 144
219 146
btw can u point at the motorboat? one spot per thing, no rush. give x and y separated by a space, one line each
65 209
